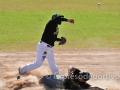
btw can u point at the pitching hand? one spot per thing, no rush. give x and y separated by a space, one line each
71 20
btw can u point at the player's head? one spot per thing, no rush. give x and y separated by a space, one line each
57 15
85 76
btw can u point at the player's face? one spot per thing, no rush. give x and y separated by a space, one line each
53 17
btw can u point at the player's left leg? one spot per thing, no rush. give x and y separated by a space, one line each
41 50
51 61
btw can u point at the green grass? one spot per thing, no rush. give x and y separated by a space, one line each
22 23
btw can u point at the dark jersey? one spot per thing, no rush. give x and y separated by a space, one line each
74 83
51 30
62 82
80 85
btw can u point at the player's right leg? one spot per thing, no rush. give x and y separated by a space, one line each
51 61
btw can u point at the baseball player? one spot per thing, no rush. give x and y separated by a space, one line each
44 47
76 80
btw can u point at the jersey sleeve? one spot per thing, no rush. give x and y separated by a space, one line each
59 19
58 39
76 72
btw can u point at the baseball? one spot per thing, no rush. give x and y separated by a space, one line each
99 4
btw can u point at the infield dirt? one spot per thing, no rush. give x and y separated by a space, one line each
102 64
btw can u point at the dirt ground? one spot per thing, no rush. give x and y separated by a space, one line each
104 66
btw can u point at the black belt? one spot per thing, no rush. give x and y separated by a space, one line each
47 44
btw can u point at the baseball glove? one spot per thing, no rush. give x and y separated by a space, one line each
63 41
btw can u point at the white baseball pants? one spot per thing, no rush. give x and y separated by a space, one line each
43 52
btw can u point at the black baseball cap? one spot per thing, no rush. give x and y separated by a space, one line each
56 15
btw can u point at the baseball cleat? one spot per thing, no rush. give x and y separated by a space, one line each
18 76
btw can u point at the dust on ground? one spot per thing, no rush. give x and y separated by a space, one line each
102 64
